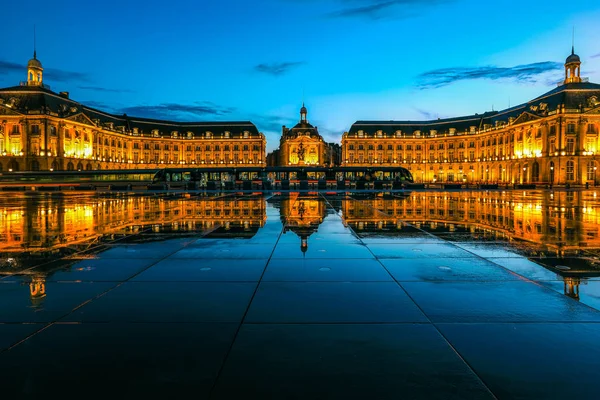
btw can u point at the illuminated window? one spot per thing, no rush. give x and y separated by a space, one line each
570 170
570 145
591 171
570 128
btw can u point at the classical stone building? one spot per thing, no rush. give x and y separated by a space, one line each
552 139
44 130
302 145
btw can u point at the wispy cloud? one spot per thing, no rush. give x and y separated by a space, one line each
99 105
270 123
530 73
64 76
278 68
596 55
177 111
104 90
52 74
425 114
7 67
379 9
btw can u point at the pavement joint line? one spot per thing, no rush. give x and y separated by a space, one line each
469 366
120 283
237 331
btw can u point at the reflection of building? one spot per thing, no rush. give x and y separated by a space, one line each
302 215
37 231
551 139
302 144
44 130
561 222
549 228
51 222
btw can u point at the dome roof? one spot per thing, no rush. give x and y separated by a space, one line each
34 62
573 58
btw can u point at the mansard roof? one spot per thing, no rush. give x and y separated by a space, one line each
32 100
575 97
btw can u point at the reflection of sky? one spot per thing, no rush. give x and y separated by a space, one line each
349 59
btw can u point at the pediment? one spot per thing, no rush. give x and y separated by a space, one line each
525 117
4 110
595 110
80 118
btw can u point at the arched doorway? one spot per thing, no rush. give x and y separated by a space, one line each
79 166
0 167
551 176
88 167
13 166
70 166
35 165
55 166
501 176
535 172
99 167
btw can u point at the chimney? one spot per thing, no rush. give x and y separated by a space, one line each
64 94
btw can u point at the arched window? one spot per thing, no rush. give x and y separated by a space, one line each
70 166
591 171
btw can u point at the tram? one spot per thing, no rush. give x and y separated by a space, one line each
221 178
285 178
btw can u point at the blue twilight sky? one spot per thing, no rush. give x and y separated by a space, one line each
257 60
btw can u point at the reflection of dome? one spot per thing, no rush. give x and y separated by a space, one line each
303 244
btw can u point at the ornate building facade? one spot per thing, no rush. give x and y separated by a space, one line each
302 145
552 139
44 130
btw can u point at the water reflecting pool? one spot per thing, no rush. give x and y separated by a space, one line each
423 294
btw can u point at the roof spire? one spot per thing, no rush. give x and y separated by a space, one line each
34 44
573 41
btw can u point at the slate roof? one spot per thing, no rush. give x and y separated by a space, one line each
41 100
572 95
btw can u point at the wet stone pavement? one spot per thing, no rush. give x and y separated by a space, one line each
302 297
